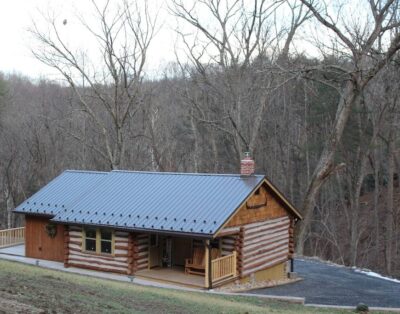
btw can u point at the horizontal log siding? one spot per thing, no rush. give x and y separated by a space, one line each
265 244
112 263
228 245
141 251
259 245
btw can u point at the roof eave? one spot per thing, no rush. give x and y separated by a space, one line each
33 213
144 230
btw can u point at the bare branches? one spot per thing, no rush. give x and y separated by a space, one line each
236 30
124 33
363 68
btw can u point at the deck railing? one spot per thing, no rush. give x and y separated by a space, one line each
223 267
14 236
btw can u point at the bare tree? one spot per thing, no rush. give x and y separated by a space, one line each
360 43
236 41
109 93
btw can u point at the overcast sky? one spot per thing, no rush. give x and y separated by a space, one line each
16 18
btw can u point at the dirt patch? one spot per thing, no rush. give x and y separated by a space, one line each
9 305
248 286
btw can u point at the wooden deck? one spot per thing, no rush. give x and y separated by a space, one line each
174 275
11 237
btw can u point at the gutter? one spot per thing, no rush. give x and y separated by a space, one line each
144 230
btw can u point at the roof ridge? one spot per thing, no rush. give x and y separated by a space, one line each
87 171
189 173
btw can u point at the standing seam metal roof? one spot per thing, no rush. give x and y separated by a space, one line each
168 202
62 192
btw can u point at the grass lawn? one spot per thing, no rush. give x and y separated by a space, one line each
30 289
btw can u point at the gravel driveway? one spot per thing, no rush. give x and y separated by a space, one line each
334 285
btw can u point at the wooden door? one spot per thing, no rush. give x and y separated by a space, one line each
38 243
181 249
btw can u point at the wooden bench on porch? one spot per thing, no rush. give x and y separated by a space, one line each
197 264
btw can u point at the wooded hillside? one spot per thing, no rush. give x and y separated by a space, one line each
322 126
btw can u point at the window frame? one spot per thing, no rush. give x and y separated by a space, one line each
85 237
98 241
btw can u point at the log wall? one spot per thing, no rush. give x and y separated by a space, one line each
117 263
228 244
260 245
142 251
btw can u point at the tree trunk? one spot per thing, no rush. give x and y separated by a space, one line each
325 164
9 207
389 206
376 202
196 151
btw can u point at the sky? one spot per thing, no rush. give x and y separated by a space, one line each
15 19
17 16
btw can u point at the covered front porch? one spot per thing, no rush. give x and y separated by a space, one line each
200 263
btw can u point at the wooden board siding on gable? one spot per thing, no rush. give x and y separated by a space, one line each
259 207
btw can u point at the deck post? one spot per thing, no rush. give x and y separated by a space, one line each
207 271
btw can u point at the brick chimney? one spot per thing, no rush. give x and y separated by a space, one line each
247 165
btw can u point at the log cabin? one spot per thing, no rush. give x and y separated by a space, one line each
198 230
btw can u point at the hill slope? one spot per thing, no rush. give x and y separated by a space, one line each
31 289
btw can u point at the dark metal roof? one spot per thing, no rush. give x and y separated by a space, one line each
62 192
167 202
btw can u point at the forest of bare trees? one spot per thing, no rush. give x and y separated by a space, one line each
312 95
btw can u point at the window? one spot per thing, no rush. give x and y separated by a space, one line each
100 241
90 240
106 241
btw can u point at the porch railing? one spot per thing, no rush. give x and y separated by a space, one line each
14 236
223 267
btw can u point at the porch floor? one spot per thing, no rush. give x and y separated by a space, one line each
174 275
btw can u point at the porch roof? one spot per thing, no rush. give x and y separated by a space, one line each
163 202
